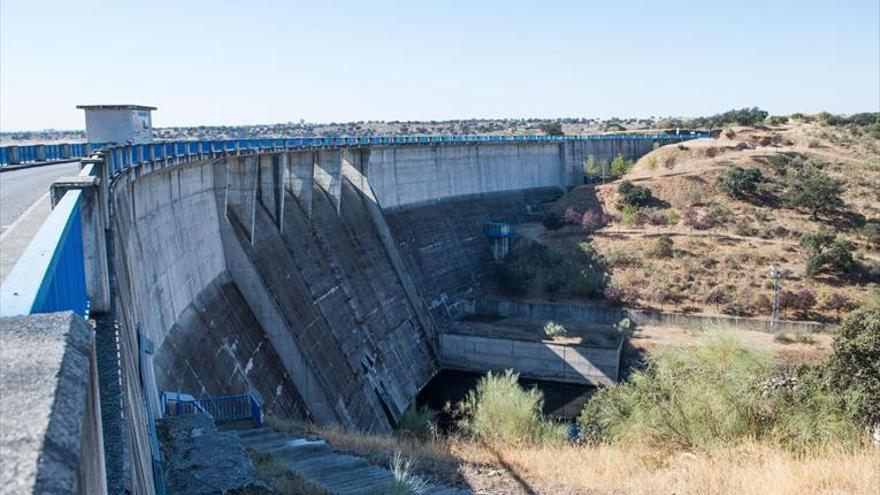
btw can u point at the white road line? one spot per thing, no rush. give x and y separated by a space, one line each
24 215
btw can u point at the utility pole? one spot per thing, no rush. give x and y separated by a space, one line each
777 275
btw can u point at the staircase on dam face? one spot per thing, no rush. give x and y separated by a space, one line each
335 472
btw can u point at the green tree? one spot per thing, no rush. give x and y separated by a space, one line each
826 252
591 168
633 195
813 190
620 166
855 364
552 128
663 248
740 182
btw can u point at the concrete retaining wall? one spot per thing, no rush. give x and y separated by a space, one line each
532 359
609 316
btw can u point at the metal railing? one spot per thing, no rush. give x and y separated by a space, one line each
222 409
120 158
39 153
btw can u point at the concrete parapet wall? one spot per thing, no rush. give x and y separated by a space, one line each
50 420
541 360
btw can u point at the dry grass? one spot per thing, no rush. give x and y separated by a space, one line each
652 337
751 468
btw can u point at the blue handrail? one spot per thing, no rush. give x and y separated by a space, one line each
224 408
124 156
45 153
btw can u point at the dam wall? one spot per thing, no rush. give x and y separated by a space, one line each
313 277
407 176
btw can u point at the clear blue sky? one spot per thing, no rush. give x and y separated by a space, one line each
224 62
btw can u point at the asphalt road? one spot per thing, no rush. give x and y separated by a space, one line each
19 189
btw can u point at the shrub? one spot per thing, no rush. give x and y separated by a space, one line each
620 166
500 412
685 397
663 247
511 277
777 120
717 297
554 330
592 220
803 411
855 364
804 300
634 195
571 216
418 423
826 252
405 481
762 304
871 232
622 296
740 182
624 327
787 300
836 302
588 283
718 393
552 221
814 143
629 215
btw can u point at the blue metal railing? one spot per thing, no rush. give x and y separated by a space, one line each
498 229
222 408
124 155
39 153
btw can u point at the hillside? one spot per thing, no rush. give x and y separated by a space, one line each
691 246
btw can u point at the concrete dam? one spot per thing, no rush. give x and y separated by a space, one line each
316 278
328 280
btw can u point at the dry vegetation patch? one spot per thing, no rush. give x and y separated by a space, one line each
722 244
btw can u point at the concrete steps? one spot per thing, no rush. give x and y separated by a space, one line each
338 473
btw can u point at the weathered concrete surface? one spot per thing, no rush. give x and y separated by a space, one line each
411 175
50 423
343 305
444 246
217 348
197 459
541 360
